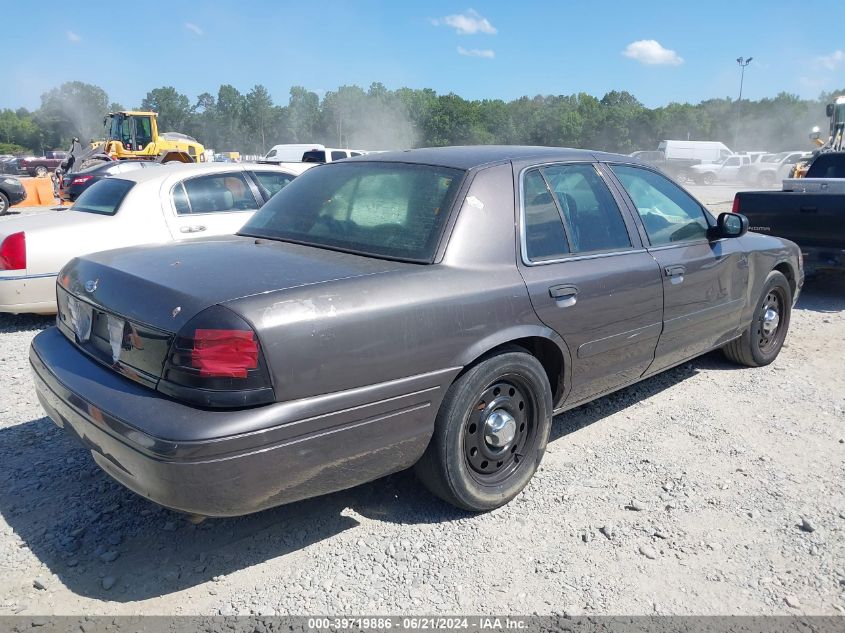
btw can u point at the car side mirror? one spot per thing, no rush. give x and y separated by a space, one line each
730 225
829 110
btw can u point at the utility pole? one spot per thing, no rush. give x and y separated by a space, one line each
742 64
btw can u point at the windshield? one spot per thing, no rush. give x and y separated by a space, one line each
393 210
103 197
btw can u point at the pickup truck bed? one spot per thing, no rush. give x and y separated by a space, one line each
814 221
809 211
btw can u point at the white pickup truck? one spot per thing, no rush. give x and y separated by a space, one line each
772 168
726 170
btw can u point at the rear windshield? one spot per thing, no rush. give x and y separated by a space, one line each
828 166
393 210
103 197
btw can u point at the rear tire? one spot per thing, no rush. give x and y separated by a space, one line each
4 204
490 433
708 179
762 341
40 171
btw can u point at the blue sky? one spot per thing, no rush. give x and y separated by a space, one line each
659 51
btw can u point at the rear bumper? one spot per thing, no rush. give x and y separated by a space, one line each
28 294
817 259
226 463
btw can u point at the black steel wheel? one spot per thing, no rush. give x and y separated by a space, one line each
499 430
767 322
490 433
762 341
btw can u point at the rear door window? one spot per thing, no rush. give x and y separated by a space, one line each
338 155
545 236
218 193
593 217
103 197
668 213
828 166
271 182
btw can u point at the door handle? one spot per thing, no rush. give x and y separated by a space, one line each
675 271
192 229
564 296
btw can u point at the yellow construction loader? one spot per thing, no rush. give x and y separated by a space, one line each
134 135
833 142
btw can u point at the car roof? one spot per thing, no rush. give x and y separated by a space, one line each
164 171
470 156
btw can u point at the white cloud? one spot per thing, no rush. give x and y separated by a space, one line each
832 61
74 38
475 52
468 23
652 52
194 28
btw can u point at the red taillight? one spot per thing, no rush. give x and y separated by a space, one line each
13 252
216 361
735 207
224 353
80 180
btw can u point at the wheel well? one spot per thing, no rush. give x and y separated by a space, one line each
786 269
544 350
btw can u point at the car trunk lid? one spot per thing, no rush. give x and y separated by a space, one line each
124 307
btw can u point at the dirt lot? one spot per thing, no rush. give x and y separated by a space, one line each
707 489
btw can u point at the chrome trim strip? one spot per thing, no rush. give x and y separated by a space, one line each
38 276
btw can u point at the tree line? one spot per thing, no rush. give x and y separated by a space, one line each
378 118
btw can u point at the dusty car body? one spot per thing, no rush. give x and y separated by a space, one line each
431 307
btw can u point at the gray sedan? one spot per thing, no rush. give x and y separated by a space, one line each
430 308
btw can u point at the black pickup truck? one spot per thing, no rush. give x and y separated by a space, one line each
810 212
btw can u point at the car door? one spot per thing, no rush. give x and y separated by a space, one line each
704 280
729 170
211 204
588 276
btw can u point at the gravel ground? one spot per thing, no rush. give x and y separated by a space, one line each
708 489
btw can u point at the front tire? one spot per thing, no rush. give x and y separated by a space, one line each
762 341
490 433
4 204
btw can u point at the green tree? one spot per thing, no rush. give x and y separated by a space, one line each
74 109
303 115
259 117
173 108
230 110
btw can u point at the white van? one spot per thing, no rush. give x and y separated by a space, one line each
697 151
290 152
330 154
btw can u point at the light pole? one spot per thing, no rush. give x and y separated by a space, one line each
742 64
